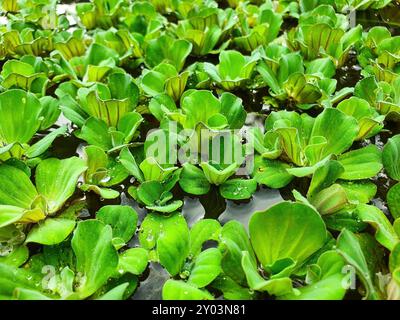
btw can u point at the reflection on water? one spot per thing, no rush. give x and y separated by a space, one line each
151 287
262 200
192 210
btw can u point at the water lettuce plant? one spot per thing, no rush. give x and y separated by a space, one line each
233 70
27 41
290 81
46 197
153 182
28 73
182 255
88 260
104 112
103 171
164 79
207 29
298 145
199 150
17 107
380 95
281 257
168 50
323 33
379 54
258 26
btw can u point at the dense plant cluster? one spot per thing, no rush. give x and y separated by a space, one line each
89 211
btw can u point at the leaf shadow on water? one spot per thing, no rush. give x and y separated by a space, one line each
150 288
261 200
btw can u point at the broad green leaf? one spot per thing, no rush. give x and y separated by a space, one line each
233 110
153 171
291 144
344 220
272 173
207 267
238 189
160 104
18 107
332 282
203 230
133 260
299 90
338 129
361 192
304 234
51 231
56 180
173 248
323 66
96 257
234 240
152 226
104 193
393 200
167 49
366 89
368 119
233 69
385 234
50 111
110 102
95 132
277 287
314 149
122 219
203 41
17 257
179 290
394 258
193 180
153 81
391 157
97 163
12 278
362 163
349 247
218 176
149 192
190 105
324 176
27 294
115 284
129 124
166 208
170 236
116 293
128 161
269 76
104 170
330 200
232 290
16 189
10 215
